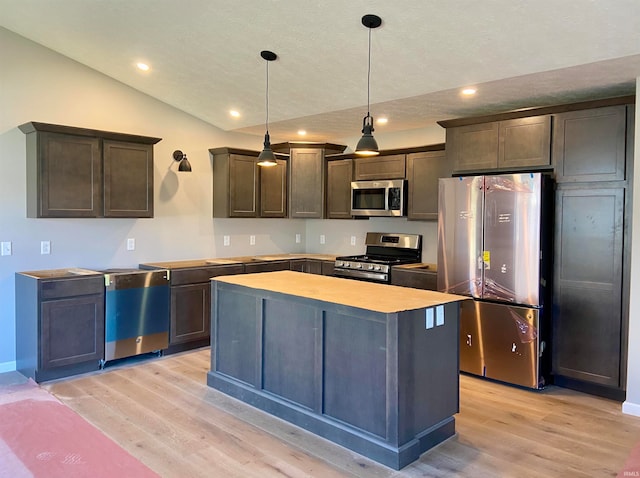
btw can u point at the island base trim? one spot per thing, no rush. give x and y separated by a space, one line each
337 432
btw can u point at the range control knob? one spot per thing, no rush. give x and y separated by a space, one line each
377 268
339 263
359 266
370 267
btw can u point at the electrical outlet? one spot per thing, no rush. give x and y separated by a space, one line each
252 240
322 239
6 248
298 238
226 240
131 244
353 240
45 247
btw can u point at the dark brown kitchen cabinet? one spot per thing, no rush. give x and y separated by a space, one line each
307 177
588 287
339 176
589 145
414 277
77 172
241 188
380 167
267 266
310 266
190 299
423 171
59 323
509 145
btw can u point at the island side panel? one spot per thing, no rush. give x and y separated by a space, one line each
428 373
355 358
290 368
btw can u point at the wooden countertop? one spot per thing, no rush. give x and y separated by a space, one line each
363 295
192 263
60 273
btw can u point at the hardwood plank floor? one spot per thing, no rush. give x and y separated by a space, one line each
163 413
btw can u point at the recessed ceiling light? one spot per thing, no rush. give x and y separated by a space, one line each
302 132
382 121
142 66
234 113
469 91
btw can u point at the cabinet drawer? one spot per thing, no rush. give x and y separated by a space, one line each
203 274
52 289
381 167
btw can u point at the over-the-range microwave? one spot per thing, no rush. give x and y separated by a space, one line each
378 198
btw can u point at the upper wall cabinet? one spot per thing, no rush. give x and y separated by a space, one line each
510 144
589 145
241 188
307 177
339 176
77 172
379 167
423 171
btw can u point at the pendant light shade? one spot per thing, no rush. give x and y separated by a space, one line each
266 157
367 146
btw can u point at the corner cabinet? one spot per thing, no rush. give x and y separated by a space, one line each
241 188
508 145
77 172
307 177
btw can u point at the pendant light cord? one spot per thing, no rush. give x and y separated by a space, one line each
266 124
369 72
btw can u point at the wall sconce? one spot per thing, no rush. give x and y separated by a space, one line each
184 162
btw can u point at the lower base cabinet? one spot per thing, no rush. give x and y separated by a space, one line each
418 279
59 324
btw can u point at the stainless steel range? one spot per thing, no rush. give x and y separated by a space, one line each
384 250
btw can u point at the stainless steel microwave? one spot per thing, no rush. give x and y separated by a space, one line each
378 198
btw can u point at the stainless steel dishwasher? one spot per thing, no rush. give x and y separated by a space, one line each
136 312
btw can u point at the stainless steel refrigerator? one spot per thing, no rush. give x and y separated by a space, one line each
494 240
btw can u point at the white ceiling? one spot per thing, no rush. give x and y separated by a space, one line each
204 56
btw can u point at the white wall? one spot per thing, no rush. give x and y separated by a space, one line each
632 403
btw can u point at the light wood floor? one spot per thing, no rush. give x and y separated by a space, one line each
162 412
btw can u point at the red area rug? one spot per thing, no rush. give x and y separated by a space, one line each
41 437
632 465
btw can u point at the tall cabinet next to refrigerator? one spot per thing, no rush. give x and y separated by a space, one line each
493 245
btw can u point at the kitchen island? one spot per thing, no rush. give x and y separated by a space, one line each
369 366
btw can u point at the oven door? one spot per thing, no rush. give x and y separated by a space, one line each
378 198
370 276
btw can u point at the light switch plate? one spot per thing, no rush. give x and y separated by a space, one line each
298 238
131 244
353 240
226 240
252 240
45 247
6 248
322 239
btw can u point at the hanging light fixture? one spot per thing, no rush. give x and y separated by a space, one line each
367 146
267 158
184 165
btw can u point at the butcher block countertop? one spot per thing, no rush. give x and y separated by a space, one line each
191 263
364 295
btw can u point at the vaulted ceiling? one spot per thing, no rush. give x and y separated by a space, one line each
205 56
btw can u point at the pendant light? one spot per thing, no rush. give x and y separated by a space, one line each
267 158
367 146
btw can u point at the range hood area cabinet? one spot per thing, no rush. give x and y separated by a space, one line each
307 176
241 188
78 172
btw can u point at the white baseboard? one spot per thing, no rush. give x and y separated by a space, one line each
7 366
631 408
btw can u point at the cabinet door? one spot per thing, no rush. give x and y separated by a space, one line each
190 313
128 179
243 186
71 331
588 285
525 142
589 145
380 167
64 177
339 175
273 190
473 147
423 172
416 279
306 183
268 266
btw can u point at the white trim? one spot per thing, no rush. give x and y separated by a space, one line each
631 408
7 366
